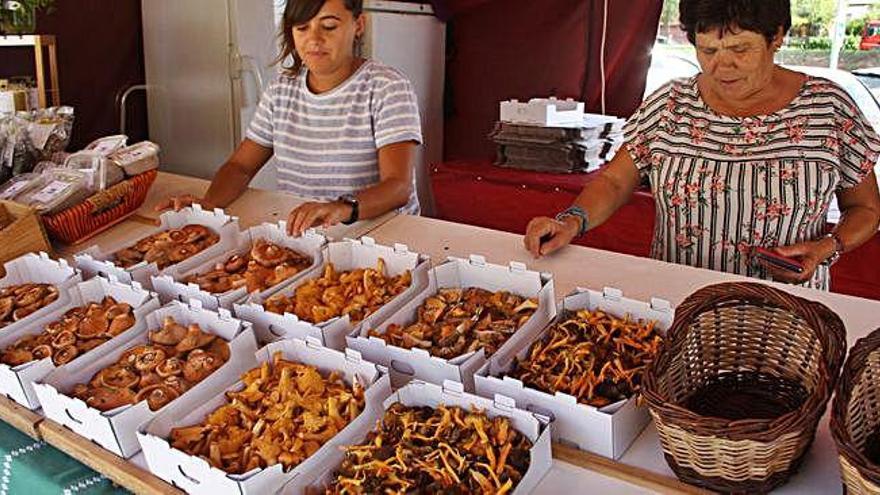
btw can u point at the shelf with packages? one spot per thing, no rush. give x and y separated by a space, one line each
40 42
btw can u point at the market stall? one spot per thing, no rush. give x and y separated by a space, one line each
641 465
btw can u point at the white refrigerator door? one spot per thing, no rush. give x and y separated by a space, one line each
191 103
408 37
255 50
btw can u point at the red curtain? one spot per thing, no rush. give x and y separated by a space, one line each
632 29
504 49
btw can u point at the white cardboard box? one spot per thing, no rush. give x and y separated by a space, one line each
474 272
345 256
608 431
197 476
39 269
545 112
17 383
170 287
115 429
93 261
418 393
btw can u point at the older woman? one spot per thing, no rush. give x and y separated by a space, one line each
746 154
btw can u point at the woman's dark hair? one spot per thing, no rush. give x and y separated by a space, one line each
298 12
760 16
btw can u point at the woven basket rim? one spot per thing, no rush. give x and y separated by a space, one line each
852 373
829 331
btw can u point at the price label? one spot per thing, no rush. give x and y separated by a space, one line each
14 189
48 193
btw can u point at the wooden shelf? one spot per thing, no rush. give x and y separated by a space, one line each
38 42
27 40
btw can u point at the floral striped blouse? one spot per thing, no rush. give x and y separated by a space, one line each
723 185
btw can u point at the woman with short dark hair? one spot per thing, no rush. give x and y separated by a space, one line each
344 130
746 154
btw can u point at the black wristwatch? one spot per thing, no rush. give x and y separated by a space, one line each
351 200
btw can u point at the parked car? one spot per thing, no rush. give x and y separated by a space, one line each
870 36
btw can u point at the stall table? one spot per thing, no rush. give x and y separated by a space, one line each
638 278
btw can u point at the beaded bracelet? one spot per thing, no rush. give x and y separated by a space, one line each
578 212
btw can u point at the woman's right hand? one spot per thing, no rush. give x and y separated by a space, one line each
545 235
178 203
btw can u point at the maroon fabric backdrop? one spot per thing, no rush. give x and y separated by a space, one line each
632 29
503 49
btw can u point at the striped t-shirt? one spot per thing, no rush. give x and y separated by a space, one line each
326 145
723 185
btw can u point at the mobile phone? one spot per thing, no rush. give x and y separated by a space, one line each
779 261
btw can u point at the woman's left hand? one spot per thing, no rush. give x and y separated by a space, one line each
308 215
810 254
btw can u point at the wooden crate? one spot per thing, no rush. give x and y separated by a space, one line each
21 232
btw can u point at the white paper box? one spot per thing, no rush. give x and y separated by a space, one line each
169 285
93 261
608 431
474 272
17 383
197 476
345 256
115 430
39 269
418 393
546 112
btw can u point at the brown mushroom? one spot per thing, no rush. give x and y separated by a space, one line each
120 324
117 376
118 309
42 351
106 398
65 355
170 367
157 396
29 296
7 304
219 348
199 365
63 339
16 357
129 357
93 325
177 383
148 380
149 360
25 311
171 334
235 264
194 339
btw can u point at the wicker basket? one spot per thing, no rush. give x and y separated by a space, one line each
772 360
101 211
856 416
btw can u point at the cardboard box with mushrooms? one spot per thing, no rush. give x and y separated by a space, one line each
432 439
184 239
263 260
585 369
34 286
268 425
471 312
359 279
106 399
100 316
